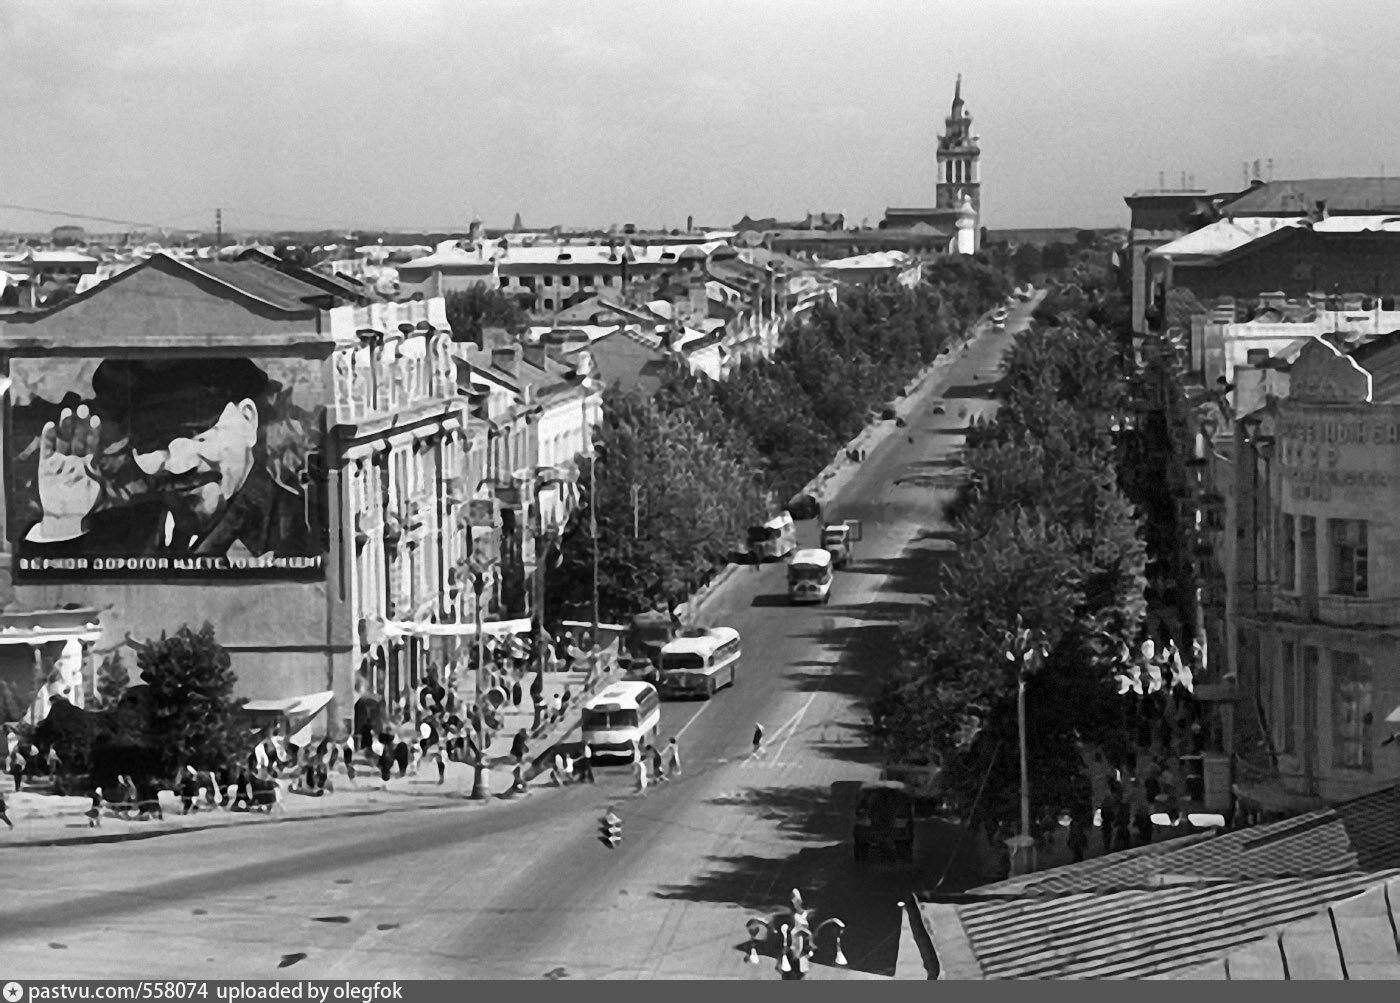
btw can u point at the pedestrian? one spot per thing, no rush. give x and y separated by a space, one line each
556 708
757 738
4 811
55 765
187 789
564 699
658 765
431 746
129 796
517 694
518 787
1078 839
519 748
675 757
94 814
639 772
15 766
347 756
556 773
585 764
386 756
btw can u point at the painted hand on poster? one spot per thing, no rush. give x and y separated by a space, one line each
69 485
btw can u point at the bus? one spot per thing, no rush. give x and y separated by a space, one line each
699 666
622 719
774 540
810 576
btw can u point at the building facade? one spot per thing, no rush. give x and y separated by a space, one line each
225 441
1319 624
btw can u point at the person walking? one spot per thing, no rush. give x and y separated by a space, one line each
639 772
431 742
347 756
94 814
556 708
675 751
15 767
564 699
757 738
658 765
519 747
585 764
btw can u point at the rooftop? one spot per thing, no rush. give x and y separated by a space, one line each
1302 194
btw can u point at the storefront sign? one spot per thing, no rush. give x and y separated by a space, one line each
166 468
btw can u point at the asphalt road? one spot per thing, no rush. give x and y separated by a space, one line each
526 889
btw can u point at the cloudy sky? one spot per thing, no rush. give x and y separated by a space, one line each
421 113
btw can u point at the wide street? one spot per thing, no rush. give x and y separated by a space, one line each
525 889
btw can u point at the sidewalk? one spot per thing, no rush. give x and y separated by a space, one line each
44 819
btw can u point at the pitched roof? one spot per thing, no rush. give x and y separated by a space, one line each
1127 934
1356 835
286 292
1301 194
1354 939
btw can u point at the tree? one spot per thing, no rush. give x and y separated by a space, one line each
1026 262
477 307
192 709
112 680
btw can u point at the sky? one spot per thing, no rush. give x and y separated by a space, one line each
426 113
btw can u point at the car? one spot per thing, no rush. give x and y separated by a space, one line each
884 821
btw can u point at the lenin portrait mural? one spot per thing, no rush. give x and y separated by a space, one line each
166 468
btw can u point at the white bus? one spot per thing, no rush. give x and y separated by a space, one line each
622 719
810 576
699 666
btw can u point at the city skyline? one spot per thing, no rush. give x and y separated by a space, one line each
423 116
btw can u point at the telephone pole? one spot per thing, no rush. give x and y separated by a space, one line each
218 233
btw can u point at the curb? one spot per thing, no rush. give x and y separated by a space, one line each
881 428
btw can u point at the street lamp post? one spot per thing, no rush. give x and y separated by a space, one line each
480 792
1026 650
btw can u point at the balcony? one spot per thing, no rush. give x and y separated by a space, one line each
1358 611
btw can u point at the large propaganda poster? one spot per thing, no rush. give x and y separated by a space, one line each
166 468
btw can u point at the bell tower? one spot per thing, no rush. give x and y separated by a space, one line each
959 176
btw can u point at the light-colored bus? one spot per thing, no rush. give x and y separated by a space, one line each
810 576
623 718
774 540
699 666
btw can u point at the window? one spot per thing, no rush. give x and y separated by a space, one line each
1289 715
1351 712
527 282
566 280
1307 546
1288 555
548 303
1347 542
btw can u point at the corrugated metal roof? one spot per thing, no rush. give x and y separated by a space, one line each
1354 939
1358 835
1142 933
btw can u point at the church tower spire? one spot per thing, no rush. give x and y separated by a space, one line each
959 172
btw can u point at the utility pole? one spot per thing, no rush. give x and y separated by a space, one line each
218 233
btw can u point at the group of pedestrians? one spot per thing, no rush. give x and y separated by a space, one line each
655 764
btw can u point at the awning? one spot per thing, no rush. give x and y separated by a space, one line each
489 628
43 626
300 712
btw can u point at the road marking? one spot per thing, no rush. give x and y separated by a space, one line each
794 722
703 707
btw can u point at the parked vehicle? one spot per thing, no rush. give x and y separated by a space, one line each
622 719
837 539
774 540
884 821
810 576
700 665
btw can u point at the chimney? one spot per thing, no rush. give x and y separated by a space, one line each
507 358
